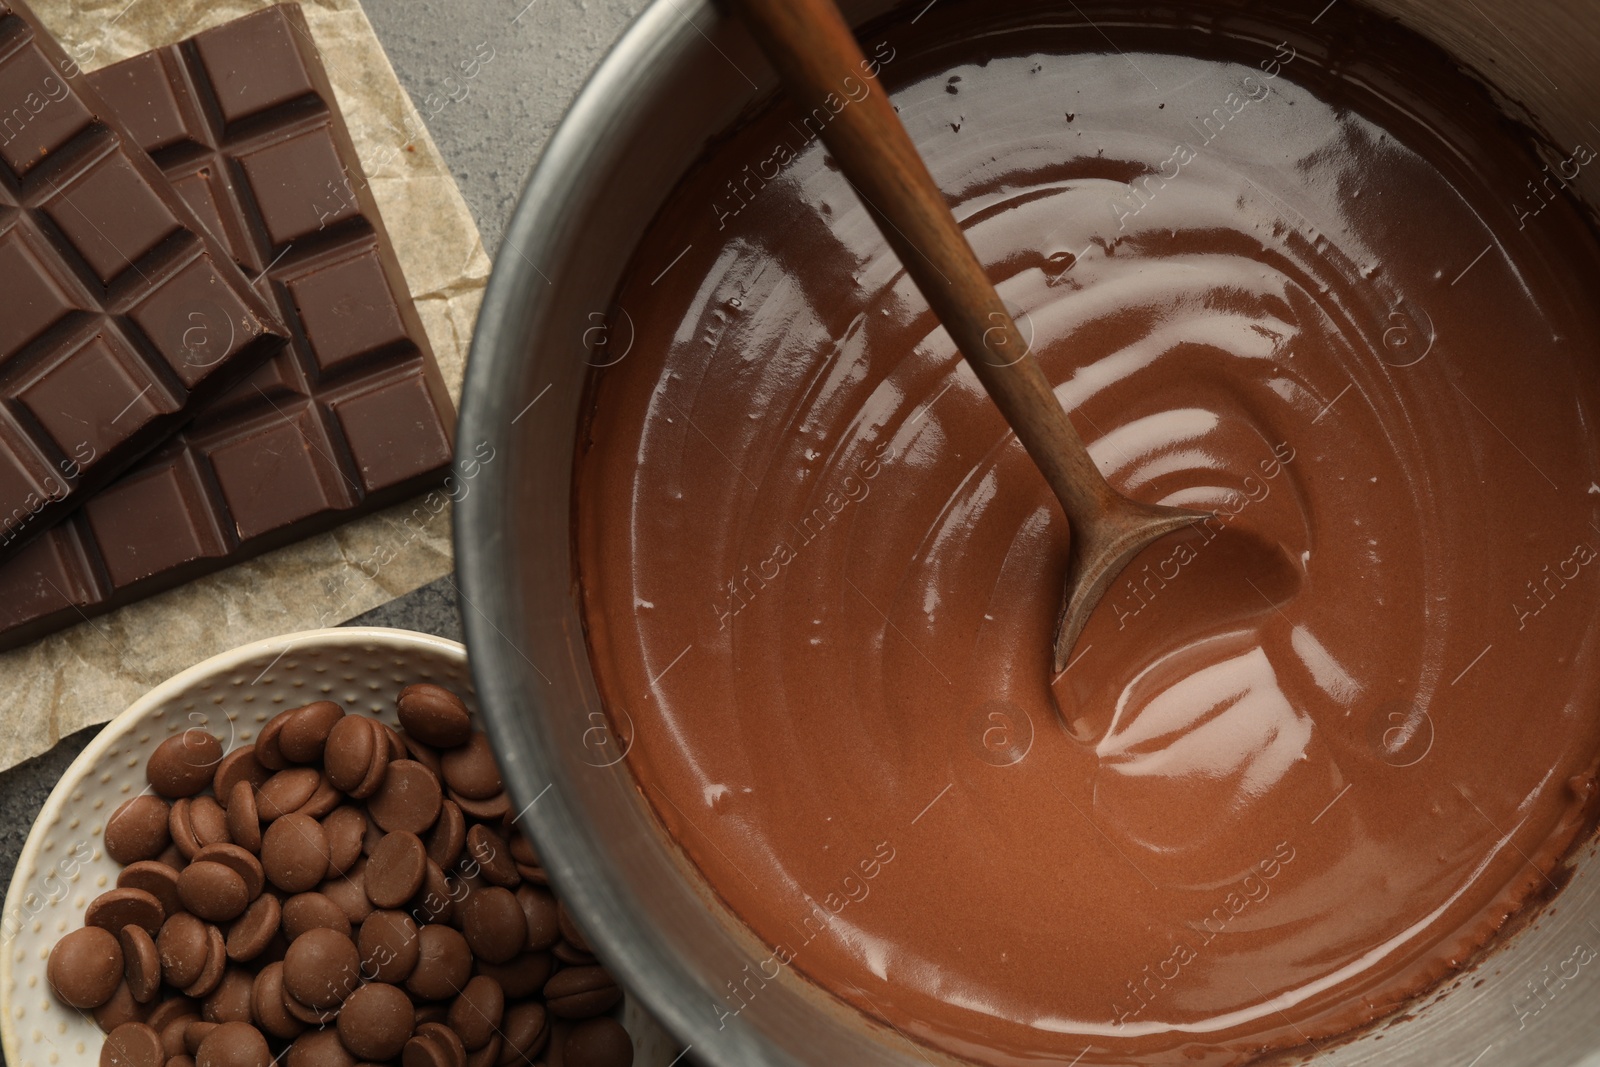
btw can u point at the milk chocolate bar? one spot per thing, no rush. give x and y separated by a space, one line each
351 416
120 316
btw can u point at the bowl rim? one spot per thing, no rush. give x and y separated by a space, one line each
537 228
126 720
512 308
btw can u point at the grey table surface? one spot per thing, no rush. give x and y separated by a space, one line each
542 52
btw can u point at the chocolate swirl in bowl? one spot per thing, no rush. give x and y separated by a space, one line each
1312 754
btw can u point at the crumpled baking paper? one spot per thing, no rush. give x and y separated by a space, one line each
89 673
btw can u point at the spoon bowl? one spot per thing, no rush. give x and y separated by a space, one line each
1103 544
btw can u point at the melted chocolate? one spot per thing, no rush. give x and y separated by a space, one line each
1309 757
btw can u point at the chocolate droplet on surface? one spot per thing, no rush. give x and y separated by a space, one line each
321 968
137 830
581 993
244 821
493 857
141 963
389 946
213 891
471 769
230 1001
444 963
395 869
266 1004
376 1021
216 962
182 945
241 860
184 765
409 798
494 924
294 852
253 931
286 791
524 1034
434 715
542 916
156 878
240 765
233 1044
132 1045
85 967
116 908
304 912
208 821
476 1014
448 836
120 1008
305 734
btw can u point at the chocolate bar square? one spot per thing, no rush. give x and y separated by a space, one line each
351 416
99 261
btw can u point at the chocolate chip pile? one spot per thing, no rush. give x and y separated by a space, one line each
345 893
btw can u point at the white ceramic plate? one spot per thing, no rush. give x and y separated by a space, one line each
63 865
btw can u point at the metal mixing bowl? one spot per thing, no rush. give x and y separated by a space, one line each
679 76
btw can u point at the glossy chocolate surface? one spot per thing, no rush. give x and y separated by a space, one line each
1300 274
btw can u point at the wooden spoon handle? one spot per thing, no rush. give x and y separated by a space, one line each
827 76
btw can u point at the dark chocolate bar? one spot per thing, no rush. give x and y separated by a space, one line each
352 416
119 315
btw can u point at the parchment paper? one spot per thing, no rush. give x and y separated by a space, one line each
91 672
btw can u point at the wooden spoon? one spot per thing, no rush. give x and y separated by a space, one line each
824 72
